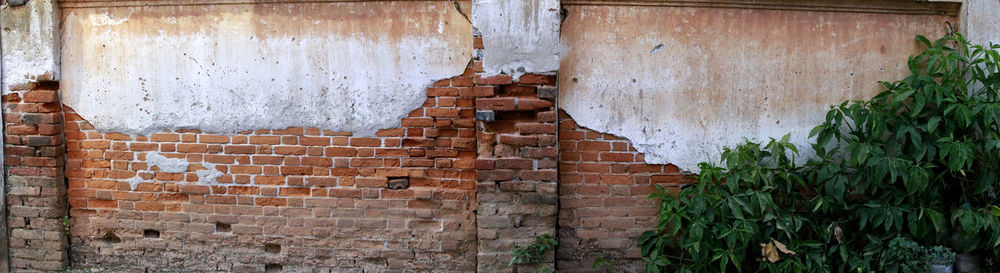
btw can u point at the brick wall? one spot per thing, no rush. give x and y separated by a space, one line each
305 199
36 188
297 199
604 185
516 167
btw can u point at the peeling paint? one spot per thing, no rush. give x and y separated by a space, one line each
342 66
519 36
758 74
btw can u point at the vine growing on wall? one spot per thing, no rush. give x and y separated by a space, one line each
916 162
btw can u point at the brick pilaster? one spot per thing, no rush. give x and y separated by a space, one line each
36 188
516 167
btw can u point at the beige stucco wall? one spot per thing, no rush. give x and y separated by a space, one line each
682 82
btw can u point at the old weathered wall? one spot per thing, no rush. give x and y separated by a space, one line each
343 66
681 79
231 135
266 137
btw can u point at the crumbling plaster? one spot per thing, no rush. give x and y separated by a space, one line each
680 83
341 66
519 36
29 39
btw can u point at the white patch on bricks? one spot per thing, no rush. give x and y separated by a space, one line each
167 165
209 175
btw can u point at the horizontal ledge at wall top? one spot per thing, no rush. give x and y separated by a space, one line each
71 4
949 8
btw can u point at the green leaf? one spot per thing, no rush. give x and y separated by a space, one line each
932 123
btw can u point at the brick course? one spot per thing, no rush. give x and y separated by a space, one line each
34 160
318 196
516 169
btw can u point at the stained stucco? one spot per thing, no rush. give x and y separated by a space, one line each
30 42
519 36
682 82
981 21
342 66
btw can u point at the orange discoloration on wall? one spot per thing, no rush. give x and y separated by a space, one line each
682 82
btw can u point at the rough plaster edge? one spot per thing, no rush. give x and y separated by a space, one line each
640 148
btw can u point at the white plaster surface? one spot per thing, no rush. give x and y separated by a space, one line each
981 21
30 42
682 83
343 66
519 36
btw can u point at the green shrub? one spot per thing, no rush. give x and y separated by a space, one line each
919 160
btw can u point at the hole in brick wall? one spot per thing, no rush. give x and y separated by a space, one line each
398 183
223 227
272 248
272 268
151 234
110 238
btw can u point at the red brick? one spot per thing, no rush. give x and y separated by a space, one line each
371 182
537 79
289 150
442 112
269 201
240 149
533 104
314 141
542 175
493 80
416 162
269 180
514 163
143 146
164 137
484 91
494 175
616 179
617 157
365 142
294 192
41 96
536 128
192 148
498 104
271 140
291 170
243 169
317 161
442 91
519 140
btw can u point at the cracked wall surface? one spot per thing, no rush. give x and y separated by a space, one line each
342 66
681 83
